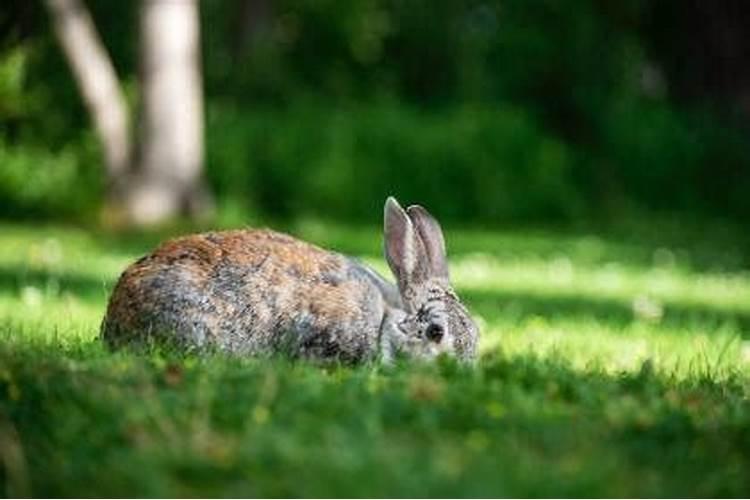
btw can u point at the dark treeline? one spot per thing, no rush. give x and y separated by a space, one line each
491 110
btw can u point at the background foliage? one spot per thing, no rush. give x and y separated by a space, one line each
494 111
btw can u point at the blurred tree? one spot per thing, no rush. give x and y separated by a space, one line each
97 82
162 176
168 178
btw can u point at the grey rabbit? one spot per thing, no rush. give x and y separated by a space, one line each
260 292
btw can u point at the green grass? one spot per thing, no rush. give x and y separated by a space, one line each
611 365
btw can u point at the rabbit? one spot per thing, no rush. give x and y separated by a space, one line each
261 292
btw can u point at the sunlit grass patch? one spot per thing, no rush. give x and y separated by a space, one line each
584 301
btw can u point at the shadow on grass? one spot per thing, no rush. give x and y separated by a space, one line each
14 280
618 314
700 249
490 304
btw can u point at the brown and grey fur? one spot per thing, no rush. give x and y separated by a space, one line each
259 292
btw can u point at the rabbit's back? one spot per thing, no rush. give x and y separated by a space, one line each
250 292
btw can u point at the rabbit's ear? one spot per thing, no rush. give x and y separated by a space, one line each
429 231
404 250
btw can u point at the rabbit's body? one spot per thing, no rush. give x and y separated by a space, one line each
250 292
259 292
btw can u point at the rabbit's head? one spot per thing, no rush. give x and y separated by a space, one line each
433 320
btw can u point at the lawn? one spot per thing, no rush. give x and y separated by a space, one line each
613 364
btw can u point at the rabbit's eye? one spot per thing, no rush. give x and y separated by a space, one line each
434 332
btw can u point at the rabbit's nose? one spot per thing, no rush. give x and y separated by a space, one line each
434 333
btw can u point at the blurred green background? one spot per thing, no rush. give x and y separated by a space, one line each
491 112
590 161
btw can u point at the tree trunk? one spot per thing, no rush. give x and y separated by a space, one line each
96 80
167 180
